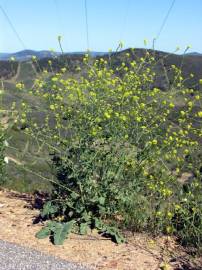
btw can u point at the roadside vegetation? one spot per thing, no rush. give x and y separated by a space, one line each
118 148
2 158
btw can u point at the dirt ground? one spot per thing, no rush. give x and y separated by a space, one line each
141 252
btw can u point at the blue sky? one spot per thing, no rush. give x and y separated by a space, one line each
39 22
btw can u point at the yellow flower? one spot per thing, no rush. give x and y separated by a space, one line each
165 266
158 213
177 207
123 117
54 79
20 86
169 214
63 69
190 103
177 170
145 42
52 107
154 142
170 138
12 59
138 119
171 105
200 114
107 115
33 58
145 173
168 229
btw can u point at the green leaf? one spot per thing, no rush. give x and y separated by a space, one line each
98 224
61 231
102 200
115 235
79 209
48 209
86 216
84 228
52 224
102 210
43 233
74 195
119 238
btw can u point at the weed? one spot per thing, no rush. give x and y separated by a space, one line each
119 146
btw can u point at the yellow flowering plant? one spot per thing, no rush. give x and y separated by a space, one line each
119 146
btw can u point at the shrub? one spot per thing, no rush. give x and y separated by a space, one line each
119 147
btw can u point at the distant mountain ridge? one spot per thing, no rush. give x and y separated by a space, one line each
194 53
27 54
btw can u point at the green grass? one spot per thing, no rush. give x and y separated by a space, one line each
22 148
25 151
27 74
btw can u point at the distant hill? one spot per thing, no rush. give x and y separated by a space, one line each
194 53
27 54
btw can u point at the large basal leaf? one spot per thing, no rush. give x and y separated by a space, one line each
48 209
84 228
43 233
115 235
61 231
102 200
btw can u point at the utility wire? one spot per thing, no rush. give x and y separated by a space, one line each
12 27
165 19
87 27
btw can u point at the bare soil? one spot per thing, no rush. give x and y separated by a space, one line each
141 252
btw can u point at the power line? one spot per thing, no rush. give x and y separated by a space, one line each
87 27
165 19
12 27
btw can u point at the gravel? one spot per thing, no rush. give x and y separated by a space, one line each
15 257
